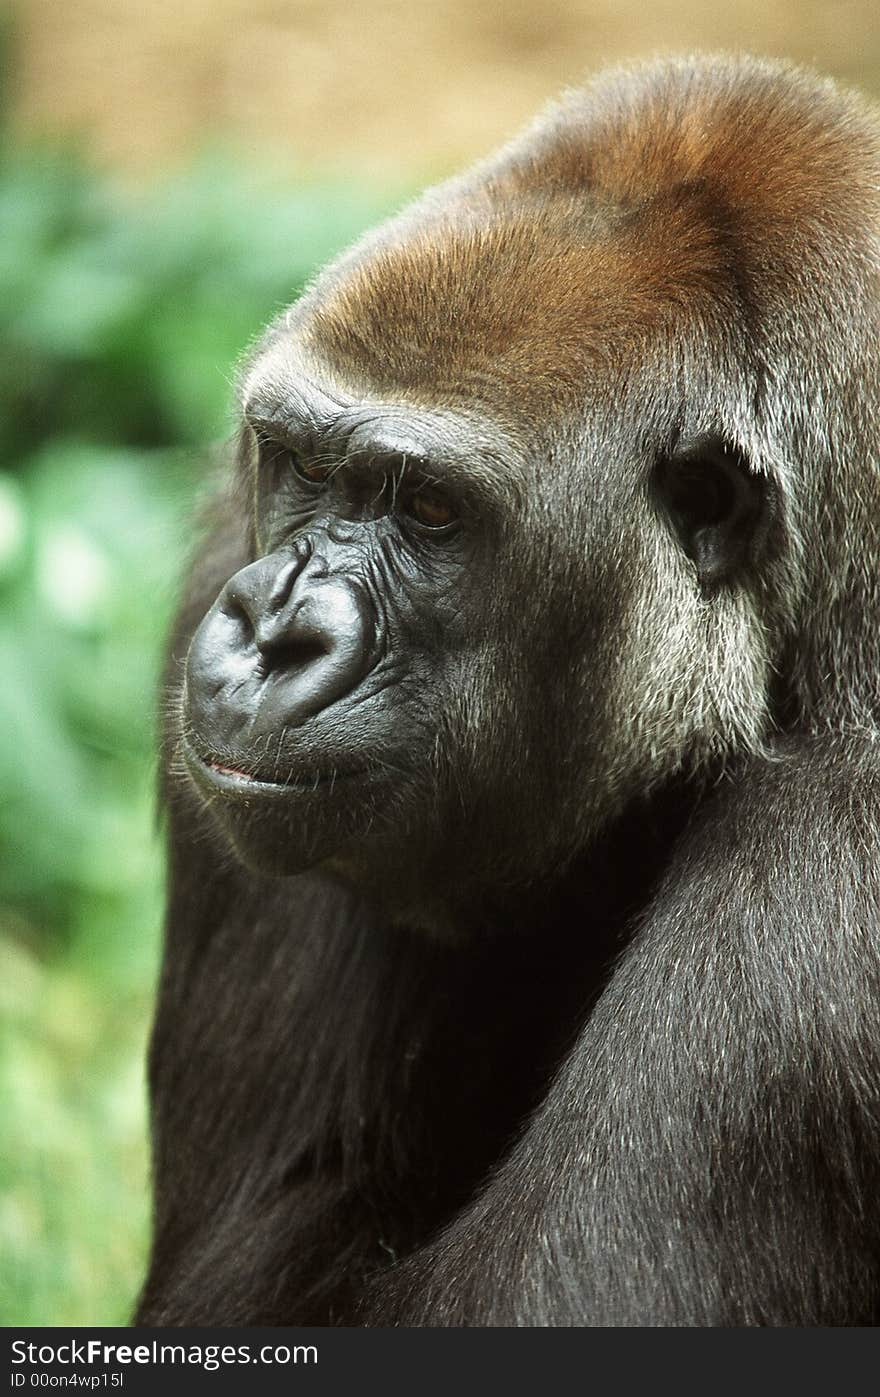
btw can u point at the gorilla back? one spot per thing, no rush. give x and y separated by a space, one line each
521 764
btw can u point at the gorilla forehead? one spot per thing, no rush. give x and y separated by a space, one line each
641 208
516 309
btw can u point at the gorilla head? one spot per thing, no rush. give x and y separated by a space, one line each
556 490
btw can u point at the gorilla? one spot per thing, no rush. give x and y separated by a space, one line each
521 761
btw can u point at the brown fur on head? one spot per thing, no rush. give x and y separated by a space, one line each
654 190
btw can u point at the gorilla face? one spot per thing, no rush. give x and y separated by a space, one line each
319 683
407 670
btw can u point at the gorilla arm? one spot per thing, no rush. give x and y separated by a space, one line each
706 1155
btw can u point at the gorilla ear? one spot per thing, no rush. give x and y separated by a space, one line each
716 504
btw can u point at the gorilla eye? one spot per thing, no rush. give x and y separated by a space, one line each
311 471
715 502
430 508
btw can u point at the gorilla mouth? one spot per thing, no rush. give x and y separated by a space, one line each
232 771
220 776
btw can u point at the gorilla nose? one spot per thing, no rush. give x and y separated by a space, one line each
280 645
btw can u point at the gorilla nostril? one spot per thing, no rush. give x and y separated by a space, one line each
310 650
295 634
293 657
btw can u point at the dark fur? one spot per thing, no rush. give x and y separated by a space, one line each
594 1036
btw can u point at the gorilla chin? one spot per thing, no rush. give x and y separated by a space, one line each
281 828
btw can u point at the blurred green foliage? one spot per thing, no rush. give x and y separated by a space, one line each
121 318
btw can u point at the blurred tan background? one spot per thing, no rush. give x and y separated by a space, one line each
387 87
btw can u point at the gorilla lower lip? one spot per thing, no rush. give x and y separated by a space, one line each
220 776
231 771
